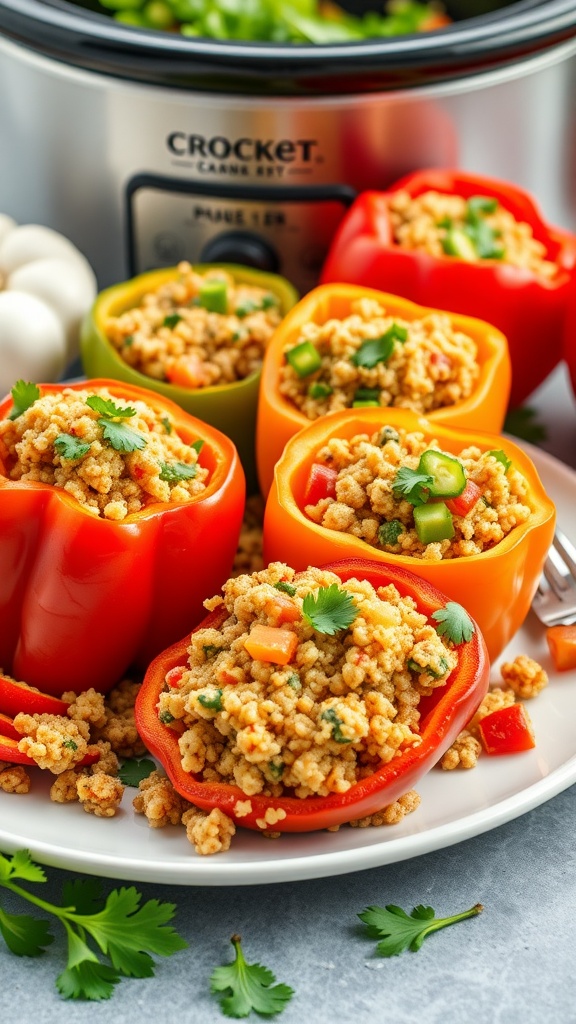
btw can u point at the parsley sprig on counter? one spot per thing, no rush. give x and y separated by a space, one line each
329 610
398 931
120 928
243 987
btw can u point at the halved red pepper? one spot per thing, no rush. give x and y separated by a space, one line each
444 714
7 728
507 731
83 598
16 696
528 309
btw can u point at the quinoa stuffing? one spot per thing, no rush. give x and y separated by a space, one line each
471 229
371 358
383 484
197 331
346 702
114 457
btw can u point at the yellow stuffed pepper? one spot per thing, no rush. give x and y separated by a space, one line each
464 510
196 335
345 346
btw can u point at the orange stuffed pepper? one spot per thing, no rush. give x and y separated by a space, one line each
464 510
345 346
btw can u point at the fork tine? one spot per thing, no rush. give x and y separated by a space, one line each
566 550
557 573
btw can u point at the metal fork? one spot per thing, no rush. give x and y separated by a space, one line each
555 600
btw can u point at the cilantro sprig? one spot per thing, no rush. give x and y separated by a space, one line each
119 436
242 987
70 447
454 623
24 394
398 931
329 610
120 929
412 485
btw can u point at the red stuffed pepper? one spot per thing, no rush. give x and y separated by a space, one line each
288 695
471 245
93 581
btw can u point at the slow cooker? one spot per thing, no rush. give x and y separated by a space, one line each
146 148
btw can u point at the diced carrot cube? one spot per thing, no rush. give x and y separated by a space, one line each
269 643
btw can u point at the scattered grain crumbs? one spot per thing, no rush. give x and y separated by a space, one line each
52 741
524 676
159 801
392 814
14 778
208 833
242 808
100 794
463 753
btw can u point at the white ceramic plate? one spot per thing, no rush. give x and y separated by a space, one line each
455 805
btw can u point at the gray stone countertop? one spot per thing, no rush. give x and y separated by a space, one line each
513 963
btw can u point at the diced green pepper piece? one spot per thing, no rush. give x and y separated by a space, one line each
213 296
304 358
457 243
447 473
319 390
433 523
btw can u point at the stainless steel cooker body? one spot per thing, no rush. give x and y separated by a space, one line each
140 175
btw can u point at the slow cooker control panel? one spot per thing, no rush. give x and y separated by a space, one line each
283 230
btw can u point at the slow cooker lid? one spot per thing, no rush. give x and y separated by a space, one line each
79 37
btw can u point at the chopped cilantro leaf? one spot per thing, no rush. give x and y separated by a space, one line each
427 670
246 307
128 341
501 456
389 532
269 301
171 320
106 407
166 717
330 609
198 445
167 425
388 434
454 623
70 744
24 394
173 472
378 350
242 987
480 205
330 716
287 588
399 931
70 447
276 769
121 437
133 770
294 682
210 650
412 485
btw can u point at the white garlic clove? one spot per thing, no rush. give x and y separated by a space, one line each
34 242
66 286
32 340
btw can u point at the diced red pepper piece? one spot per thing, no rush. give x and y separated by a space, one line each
284 610
321 483
463 504
174 676
507 731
